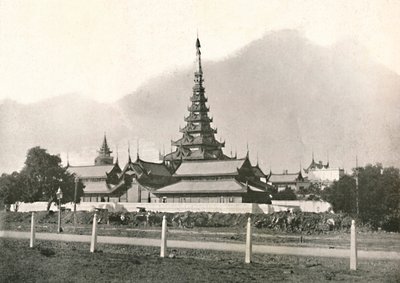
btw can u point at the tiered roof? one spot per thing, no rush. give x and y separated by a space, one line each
198 141
148 173
316 165
285 178
104 156
91 171
210 168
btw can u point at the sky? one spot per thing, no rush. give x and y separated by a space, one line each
106 49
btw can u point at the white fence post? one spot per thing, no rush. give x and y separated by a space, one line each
93 241
353 247
248 242
163 237
33 231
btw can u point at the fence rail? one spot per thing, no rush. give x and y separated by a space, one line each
248 248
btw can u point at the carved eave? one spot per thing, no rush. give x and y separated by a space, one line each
198 118
199 128
198 98
198 108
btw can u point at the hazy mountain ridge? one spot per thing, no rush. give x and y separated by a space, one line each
282 94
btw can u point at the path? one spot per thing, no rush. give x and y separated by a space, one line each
263 249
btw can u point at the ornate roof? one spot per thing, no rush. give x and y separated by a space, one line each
150 168
204 186
285 177
258 172
198 140
103 188
92 171
314 165
104 149
209 167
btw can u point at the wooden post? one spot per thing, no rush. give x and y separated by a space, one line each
59 216
353 247
33 231
75 193
248 242
163 237
93 241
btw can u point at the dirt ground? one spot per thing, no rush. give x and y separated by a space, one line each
383 241
72 262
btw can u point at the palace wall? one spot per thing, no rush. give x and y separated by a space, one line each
306 206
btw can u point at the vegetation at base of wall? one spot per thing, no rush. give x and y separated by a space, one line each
286 222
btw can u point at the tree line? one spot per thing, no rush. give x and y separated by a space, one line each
378 196
39 180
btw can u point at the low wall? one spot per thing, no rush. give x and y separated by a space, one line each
34 206
305 205
276 206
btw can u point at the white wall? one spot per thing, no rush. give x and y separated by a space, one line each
330 174
307 206
304 205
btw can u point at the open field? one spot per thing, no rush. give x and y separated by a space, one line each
72 262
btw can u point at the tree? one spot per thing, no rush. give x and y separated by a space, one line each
43 175
10 188
286 194
341 194
378 194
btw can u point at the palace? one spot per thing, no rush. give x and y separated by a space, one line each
197 171
101 180
203 173
105 181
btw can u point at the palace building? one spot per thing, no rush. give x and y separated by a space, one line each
101 180
202 172
105 181
197 171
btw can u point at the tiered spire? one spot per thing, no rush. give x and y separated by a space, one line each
104 156
198 140
105 149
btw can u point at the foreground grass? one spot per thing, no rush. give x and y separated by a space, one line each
72 262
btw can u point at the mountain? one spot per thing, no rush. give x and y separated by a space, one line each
281 94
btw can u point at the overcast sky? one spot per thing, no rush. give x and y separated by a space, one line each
106 49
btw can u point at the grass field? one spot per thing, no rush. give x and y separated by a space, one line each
72 262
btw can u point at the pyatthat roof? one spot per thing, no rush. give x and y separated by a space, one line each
158 169
93 171
209 167
284 178
101 188
258 172
204 186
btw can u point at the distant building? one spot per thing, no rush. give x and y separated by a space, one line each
293 181
323 173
